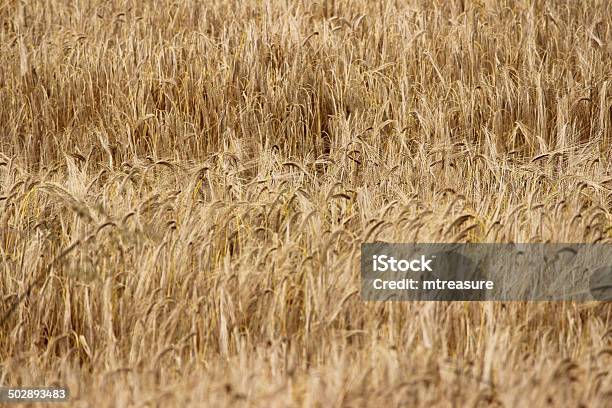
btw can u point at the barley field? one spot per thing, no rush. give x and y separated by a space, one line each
185 185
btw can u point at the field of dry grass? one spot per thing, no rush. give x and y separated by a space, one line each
184 188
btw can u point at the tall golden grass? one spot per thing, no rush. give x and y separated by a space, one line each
185 186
